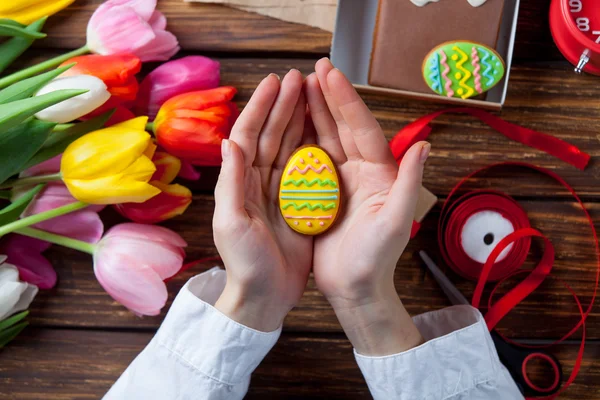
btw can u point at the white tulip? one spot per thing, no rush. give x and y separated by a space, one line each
15 295
78 106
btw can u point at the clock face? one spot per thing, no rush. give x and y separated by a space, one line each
586 16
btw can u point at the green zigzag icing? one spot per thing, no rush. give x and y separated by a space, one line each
309 206
311 183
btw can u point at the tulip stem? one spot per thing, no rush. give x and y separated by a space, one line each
58 239
31 180
43 216
41 67
150 126
62 127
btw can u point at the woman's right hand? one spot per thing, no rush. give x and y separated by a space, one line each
267 263
354 262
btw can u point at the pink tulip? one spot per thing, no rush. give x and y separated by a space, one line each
50 166
131 26
26 254
132 261
176 77
83 224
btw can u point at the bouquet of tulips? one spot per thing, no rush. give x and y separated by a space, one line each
75 137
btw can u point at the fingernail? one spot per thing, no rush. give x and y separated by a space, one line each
225 148
425 152
276 76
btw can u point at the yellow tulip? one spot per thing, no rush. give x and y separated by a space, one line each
27 11
112 165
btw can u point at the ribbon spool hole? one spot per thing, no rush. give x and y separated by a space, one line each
488 238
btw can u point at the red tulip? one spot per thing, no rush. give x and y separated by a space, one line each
167 167
117 71
191 126
172 201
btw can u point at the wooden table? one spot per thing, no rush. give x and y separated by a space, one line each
80 340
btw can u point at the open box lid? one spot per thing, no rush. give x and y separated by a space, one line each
353 43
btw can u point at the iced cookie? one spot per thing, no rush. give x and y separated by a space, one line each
462 69
309 192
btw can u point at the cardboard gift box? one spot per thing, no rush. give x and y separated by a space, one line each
353 45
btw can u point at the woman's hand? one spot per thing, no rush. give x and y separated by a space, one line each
354 262
267 263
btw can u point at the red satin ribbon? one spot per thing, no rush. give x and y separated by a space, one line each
497 310
455 212
420 129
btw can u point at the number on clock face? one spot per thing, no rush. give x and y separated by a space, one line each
586 15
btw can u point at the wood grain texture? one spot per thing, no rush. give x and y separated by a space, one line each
201 27
76 347
55 364
216 28
79 301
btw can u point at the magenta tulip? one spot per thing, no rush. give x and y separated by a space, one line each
188 172
132 261
176 77
131 26
26 254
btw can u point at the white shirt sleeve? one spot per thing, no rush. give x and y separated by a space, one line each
458 361
198 352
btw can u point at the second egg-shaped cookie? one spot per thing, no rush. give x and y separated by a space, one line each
309 191
462 69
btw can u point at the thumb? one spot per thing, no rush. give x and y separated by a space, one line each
401 204
229 192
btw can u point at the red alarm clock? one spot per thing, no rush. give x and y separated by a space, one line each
575 26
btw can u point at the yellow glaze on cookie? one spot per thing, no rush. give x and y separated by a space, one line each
309 192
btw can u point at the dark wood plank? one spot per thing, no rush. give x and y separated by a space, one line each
79 301
202 27
55 364
215 28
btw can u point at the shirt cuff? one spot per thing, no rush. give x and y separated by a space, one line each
208 340
458 355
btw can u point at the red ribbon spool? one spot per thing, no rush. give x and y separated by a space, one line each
455 216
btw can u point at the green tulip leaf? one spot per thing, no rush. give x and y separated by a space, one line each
7 29
14 47
28 87
20 143
58 141
12 114
8 21
10 321
13 211
9 334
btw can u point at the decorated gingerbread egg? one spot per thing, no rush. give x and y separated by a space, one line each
462 69
309 192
